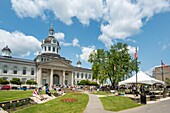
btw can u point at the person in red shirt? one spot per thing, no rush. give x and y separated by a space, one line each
35 94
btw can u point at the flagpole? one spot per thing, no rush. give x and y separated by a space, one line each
162 70
136 73
164 90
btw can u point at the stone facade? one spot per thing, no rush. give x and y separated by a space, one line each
158 72
48 67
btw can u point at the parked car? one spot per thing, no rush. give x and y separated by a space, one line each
5 87
24 88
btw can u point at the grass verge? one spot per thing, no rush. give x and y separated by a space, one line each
57 106
117 103
101 93
13 95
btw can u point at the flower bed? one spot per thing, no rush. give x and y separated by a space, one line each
69 100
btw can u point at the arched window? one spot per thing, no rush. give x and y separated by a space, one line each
45 49
49 48
53 49
57 50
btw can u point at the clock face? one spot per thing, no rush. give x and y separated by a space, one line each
54 41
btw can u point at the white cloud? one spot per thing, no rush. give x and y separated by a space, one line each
131 40
59 36
76 42
64 10
77 56
20 44
124 17
132 50
86 52
119 18
29 8
65 43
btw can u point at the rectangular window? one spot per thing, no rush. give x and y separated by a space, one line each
45 48
53 49
32 72
5 69
86 75
49 48
15 70
81 75
24 71
89 76
77 75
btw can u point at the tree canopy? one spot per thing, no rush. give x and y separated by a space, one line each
114 64
87 82
31 82
16 81
2 81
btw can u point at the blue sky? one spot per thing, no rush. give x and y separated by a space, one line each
84 25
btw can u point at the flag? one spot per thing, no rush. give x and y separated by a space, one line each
135 54
164 65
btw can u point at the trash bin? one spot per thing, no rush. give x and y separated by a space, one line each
143 99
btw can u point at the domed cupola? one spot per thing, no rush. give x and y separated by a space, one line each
79 64
6 52
50 45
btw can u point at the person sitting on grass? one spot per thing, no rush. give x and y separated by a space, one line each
35 94
47 91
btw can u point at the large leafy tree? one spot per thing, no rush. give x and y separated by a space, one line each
114 64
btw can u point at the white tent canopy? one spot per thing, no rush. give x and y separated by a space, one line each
142 78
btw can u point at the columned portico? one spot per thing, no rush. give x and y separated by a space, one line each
72 78
63 77
51 78
39 77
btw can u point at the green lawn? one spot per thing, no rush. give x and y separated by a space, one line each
101 93
56 106
13 95
118 103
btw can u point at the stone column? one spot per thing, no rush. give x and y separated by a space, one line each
51 78
72 78
63 77
39 82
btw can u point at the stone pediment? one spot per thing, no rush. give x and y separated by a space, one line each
56 64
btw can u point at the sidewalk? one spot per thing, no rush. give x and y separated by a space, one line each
94 105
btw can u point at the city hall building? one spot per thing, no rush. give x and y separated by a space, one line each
48 67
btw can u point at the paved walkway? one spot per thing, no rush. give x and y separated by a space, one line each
162 106
94 105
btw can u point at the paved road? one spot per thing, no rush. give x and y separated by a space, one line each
160 107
